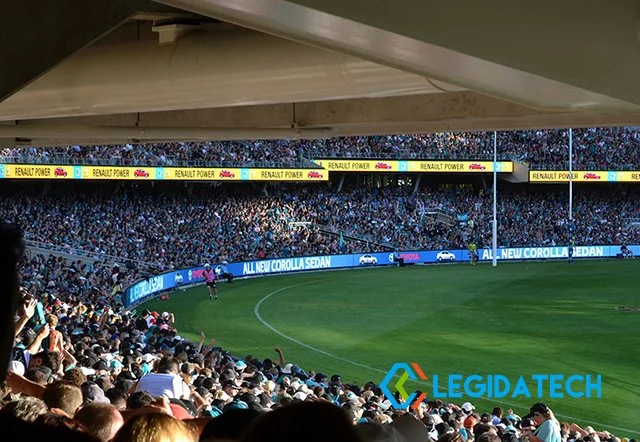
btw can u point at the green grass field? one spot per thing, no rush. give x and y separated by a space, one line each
516 319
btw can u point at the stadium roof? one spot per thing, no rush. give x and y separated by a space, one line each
106 71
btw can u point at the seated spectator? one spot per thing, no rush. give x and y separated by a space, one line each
155 427
547 427
166 381
26 408
63 396
139 399
482 428
489 436
101 421
117 397
229 426
75 376
39 374
371 432
308 421
57 420
93 394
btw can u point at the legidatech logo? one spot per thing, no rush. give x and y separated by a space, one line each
490 386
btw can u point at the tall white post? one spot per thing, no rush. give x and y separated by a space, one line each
570 176
495 200
571 227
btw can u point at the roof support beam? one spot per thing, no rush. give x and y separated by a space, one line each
456 111
572 54
39 34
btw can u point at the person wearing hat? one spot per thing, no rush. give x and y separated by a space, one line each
230 388
92 393
548 428
468 407
225 273
210 279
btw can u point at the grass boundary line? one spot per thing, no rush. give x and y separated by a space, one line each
256 311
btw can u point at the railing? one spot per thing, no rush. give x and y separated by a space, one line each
438 209
439 214
346 235
300 163
85 255
351 236
564 165
409 154
303 161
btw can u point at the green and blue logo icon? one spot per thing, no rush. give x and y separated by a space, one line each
409 371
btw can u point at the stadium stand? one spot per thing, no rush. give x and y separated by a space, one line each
98 351
594 149
167 227
106 352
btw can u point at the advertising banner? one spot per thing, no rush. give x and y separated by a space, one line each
411 166
626 176
593 176
342 165
146 288
243 174
286 174
29 171
457 166
199 174
117 173
559 252
562 176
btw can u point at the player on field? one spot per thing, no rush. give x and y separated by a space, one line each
210 278
473 253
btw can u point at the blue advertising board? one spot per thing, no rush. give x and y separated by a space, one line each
558 252
146 288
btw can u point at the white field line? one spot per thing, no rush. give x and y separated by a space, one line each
256 311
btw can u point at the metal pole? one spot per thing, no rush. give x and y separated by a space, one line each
570 195
495 200
570 174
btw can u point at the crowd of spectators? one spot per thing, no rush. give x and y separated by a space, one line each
168 227
168 230
84 369
593 149
265 153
